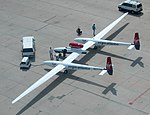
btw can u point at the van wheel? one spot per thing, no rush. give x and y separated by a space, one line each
120 9
132 12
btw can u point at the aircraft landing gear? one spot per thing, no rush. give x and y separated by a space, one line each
65 71
95 47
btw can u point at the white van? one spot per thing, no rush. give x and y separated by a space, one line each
28 46
132 6
25 63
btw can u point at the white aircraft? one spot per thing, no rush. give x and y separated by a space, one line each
101 42
98 41
66 64
73 47
74 66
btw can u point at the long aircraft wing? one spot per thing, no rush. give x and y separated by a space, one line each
40 81
109 27
49 75
71 57
103 32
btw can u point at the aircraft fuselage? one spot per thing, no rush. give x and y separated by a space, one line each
72 66
101 42
69 50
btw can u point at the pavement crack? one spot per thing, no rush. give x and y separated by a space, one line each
49 19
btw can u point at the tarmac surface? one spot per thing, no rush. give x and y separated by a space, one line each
54 24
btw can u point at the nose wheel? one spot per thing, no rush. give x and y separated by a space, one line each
65 71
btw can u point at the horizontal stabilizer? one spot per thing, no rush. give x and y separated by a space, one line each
131 47
102 72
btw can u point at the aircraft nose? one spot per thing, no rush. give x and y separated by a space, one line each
55 49
46 62
77 39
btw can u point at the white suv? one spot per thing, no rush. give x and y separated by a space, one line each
25 63
28 46
132 6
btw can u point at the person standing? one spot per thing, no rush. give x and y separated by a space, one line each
79 32
64 52
94 29
57 56
51 53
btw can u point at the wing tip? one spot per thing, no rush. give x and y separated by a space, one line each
14 101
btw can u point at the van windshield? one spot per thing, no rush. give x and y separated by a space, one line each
28 50
126 4
22 63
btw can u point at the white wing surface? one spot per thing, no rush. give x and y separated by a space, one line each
40 81
49 75
71 57
88 45
108 28
103 32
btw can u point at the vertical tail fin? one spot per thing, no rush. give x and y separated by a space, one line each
109 67
136 41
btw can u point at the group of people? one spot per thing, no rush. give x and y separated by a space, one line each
79 31
57 55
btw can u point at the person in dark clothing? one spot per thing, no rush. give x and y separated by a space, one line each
64 52
79 32
51 53
94 29
57 57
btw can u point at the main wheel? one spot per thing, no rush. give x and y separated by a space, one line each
132 12
65 71
95 47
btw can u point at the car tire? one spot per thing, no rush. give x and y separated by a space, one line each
120 9
132 12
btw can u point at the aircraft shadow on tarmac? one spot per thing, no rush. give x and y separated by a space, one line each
134 62
59 80
86 58
111 37
138 61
